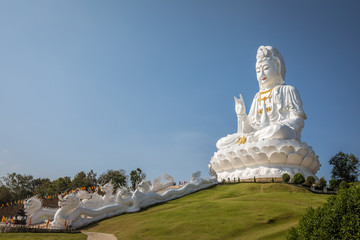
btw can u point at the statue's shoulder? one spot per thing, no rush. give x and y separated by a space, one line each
286 89
287 93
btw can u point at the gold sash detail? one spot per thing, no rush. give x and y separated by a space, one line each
267 110
241 140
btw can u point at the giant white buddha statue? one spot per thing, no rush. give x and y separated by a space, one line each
268 141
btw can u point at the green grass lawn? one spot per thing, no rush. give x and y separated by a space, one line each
46 236
234 211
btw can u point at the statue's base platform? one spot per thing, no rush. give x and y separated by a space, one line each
262 172
265 159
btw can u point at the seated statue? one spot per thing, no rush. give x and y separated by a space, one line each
276 113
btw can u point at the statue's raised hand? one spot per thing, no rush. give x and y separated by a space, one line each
240 107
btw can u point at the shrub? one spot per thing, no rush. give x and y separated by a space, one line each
333 183
286 178
254 179
238 179
310 180
272 180
339 218
343 184
322 182
298 178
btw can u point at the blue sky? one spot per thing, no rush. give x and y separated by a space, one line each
125 84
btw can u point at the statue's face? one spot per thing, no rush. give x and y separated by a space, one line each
268 74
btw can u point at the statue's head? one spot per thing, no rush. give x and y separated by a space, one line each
270 67
108 188
32 205
70 201
82 194
144 186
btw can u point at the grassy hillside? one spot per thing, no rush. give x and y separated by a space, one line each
237 211
43 236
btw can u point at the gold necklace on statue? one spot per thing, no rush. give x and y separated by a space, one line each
268 95
263 96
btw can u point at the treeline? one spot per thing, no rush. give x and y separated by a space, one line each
15 187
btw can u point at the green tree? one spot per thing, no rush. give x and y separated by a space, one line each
83 179
310 180
343 184
79 180
298 178
322 182
117 177
333 183
345 167
5 195
285 177
339 218
61 184
20 186
42 187
136 176
40 181
91 178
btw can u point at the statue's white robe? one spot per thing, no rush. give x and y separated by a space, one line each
283 119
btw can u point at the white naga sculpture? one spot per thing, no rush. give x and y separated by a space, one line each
75 213
268 141
34 211
108 197
157 185
89 200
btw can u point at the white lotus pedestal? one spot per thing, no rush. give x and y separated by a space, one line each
265 159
